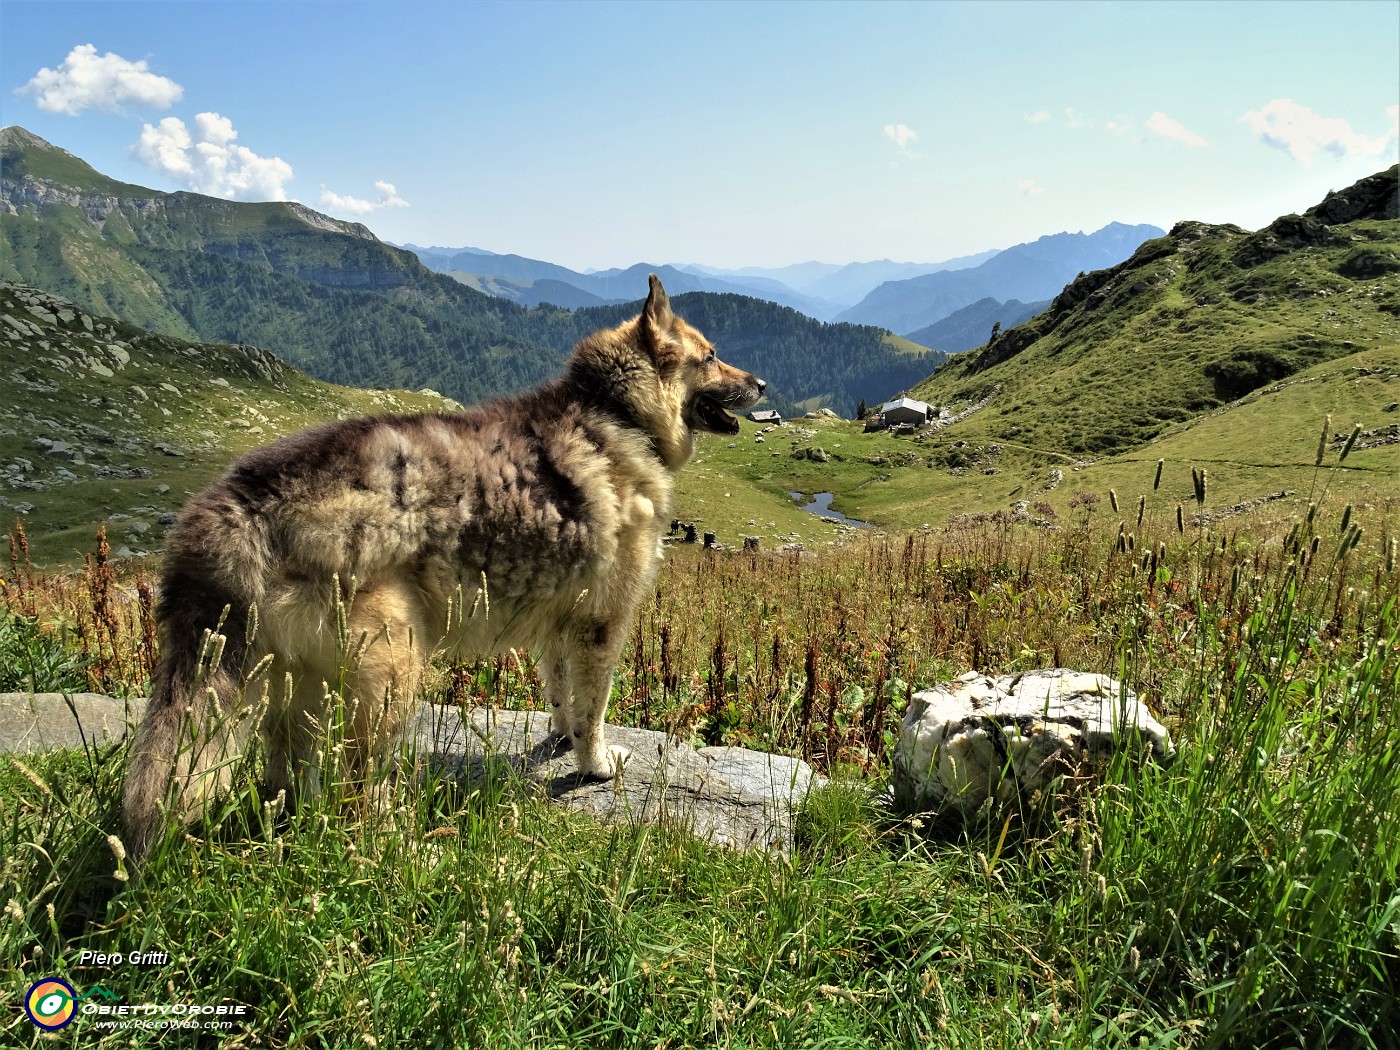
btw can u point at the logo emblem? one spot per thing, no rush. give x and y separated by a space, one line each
50 1003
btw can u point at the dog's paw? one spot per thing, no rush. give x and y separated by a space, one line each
606 762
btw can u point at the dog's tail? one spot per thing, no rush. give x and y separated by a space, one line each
196 724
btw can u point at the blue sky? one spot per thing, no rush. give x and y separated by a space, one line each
729 134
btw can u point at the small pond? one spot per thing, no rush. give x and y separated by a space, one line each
820 505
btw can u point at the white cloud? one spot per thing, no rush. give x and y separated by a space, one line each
208 161
388 198
1303 134
1161 124
1038 117
214 129
902 135
1075 119
87 80
1029 187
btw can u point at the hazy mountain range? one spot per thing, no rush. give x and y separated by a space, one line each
970 326
1210 344
1028 272
907 298
825 293
1215 310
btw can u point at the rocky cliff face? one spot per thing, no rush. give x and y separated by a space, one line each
36 175
1375 197
25 194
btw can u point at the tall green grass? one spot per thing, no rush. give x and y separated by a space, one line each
1246 895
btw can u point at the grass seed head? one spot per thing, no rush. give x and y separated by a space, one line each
1351 440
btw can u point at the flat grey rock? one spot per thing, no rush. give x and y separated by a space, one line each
45 721
979 740
729 796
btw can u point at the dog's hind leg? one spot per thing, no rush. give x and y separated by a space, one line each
388 656
294 734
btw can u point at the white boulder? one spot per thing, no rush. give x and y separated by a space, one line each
1002 739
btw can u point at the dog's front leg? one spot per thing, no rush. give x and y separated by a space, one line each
592 668
559 691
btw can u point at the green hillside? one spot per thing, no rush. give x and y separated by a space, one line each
113 425
1191 322
26 154
323 294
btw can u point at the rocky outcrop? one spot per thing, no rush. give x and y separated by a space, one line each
729 796
321 221
1374 197
1288 233
979 741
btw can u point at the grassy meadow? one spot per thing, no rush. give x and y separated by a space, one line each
1254 448
1245 895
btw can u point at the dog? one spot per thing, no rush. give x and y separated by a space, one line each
330 566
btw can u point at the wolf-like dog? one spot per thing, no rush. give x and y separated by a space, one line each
338 560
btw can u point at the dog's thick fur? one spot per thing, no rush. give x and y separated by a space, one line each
532 521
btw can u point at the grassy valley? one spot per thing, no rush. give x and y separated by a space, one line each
1211 348
1255 448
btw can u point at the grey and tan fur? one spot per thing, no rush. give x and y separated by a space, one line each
529 522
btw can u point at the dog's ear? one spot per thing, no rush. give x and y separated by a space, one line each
656 314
